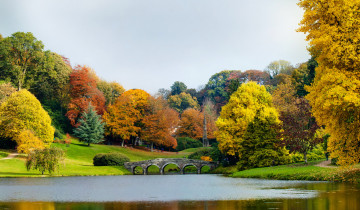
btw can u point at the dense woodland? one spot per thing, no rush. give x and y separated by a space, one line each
253 118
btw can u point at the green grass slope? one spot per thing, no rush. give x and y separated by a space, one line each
79 161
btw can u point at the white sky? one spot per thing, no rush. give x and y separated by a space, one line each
150 44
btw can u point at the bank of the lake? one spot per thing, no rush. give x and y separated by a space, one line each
79 160
300 171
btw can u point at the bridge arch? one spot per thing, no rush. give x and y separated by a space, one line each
189 164
146 171
161 163
166 164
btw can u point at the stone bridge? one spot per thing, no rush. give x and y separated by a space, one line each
163 162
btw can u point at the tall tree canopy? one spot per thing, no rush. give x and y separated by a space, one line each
124 118
21 112
279 67
250 101
299 127
177 88
182 102
332 28
191 124
20 57
216 88
120 119
160 123
111 90
83 91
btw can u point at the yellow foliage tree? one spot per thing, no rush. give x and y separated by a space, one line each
27 141
332 28
249 101
22 111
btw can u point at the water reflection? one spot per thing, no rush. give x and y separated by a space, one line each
317 203
174 192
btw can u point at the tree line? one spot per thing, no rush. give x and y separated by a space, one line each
257 117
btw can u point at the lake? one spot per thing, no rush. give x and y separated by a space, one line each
174 192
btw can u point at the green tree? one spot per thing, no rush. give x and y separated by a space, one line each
183 101
216 88
47 159
261 145
111 90
22 111
21 54
177 88
91 128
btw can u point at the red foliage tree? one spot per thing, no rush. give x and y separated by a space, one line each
83 91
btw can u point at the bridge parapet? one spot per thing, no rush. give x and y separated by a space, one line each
163 162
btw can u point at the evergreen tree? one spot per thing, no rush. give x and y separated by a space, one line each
91 128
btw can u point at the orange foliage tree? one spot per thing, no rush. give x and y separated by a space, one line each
159 123
192 124
124 118
83 91
120 119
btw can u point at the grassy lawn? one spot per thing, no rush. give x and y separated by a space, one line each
79 161
300 171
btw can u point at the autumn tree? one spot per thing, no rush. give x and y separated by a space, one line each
91 127
236 78
182 102
21 112
120 119
83 91
160 123
332 30
124 118
238 128
20 56
6 89
298 127
191 124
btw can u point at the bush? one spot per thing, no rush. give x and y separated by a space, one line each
186 143
203 152
58 134
110 159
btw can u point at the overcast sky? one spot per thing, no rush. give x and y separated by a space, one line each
150 44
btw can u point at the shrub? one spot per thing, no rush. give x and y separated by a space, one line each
203 152
186 143
110 159
206 158
58 134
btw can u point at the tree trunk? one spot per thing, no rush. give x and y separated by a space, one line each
151 146
88 144
305 157
122 143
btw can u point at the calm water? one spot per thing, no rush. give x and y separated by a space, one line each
173 192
